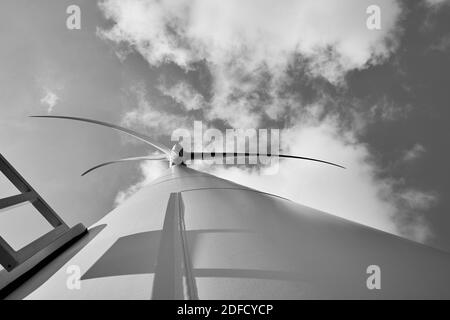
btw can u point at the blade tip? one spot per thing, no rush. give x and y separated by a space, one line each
86 172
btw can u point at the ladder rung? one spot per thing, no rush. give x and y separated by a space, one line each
20 198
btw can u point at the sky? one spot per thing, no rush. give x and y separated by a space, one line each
376 101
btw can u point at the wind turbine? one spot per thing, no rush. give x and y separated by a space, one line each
191 235
176 155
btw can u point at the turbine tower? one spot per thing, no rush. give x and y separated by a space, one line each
191 235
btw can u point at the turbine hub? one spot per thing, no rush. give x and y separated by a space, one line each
176 155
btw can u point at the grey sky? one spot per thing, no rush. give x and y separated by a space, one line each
376 101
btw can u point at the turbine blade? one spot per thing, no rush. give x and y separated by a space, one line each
156 157
132 133
212 155
311 159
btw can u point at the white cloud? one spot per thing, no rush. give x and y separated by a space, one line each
150 171
50 99
243 41
436 3
386 110
258 30
145 115
184 94
419 200
442 44
414 153
410 219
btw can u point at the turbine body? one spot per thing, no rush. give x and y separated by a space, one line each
191 235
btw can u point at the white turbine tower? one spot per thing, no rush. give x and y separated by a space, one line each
191 235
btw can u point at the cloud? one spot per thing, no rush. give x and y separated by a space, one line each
436 3
418 200
410 219
243 42
434 8
149 118
414 153
150 171
256 31
442 45
184 94
386 110
263 56
50 85
50 99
